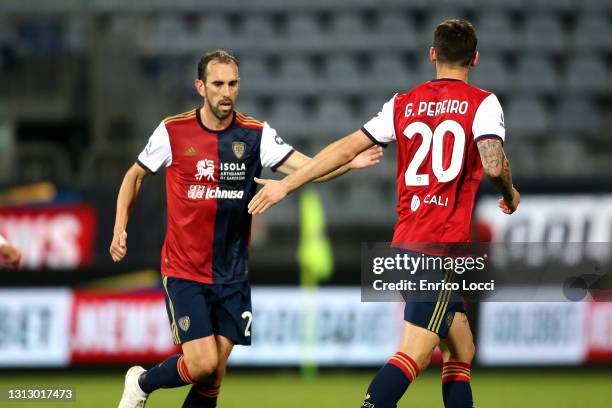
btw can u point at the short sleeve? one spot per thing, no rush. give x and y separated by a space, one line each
380 128
489 120
273 150
158 151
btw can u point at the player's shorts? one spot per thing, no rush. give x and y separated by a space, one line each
434 310
198 310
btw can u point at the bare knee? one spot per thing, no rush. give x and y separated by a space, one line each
464 352
202 368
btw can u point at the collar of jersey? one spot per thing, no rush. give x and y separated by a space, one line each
446 79
203 126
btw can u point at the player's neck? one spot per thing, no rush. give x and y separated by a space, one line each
212 122
446 72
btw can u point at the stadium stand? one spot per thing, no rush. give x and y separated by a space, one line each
313 69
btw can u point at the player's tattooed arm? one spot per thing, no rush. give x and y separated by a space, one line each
497 168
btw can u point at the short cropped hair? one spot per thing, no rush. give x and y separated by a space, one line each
217 55
455 42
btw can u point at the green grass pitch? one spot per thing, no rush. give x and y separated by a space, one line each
499 389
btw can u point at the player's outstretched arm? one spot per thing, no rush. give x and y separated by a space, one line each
132 181
326 161
367 158
10 254
497 168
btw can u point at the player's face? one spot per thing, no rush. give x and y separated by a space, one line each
221 88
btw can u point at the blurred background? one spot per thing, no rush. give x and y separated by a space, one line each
83 83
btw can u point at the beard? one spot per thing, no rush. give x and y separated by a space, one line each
219 111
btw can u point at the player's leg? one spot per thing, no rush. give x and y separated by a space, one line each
393 379
457 354
191 327
426 322
204 393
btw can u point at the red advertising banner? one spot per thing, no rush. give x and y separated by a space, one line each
598 332
119 328
55 237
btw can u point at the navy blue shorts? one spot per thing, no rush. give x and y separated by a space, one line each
198 310
434 315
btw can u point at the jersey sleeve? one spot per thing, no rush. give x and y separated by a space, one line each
380 128
489 120
157 152
273 150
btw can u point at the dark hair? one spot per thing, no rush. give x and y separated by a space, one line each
217 55
455 42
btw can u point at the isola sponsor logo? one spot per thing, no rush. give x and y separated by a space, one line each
197 192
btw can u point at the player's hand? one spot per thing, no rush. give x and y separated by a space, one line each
10 255
272 192
367 158
118 247
508 207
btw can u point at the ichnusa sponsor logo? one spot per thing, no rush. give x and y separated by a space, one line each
197 192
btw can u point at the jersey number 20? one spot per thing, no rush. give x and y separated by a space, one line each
434 142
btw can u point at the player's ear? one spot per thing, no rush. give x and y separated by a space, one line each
475 59
200 87
432 54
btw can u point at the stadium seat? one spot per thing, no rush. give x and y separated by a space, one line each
578 116
561 151
491 74
289 117
496 33
342 74
592 34
543 33
389 74
170 34
333 118
42 161
304 32
349 33
501 5
556 6
252 107
396 32
215 30
535 75
596 5
258 34
526 117
587 75
297 75
255 76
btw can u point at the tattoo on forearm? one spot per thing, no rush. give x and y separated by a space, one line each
493 157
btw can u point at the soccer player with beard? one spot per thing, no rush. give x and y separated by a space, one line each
448 132
212 155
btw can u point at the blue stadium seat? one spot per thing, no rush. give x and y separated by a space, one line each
526 117
492 74
535 75
543 33
578 116
587 74
593 32
496 33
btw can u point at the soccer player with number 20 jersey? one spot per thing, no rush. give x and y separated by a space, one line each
447 133
212 155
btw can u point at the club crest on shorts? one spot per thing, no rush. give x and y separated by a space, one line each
239 149
183 323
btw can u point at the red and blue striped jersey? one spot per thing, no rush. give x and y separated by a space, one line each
209 182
